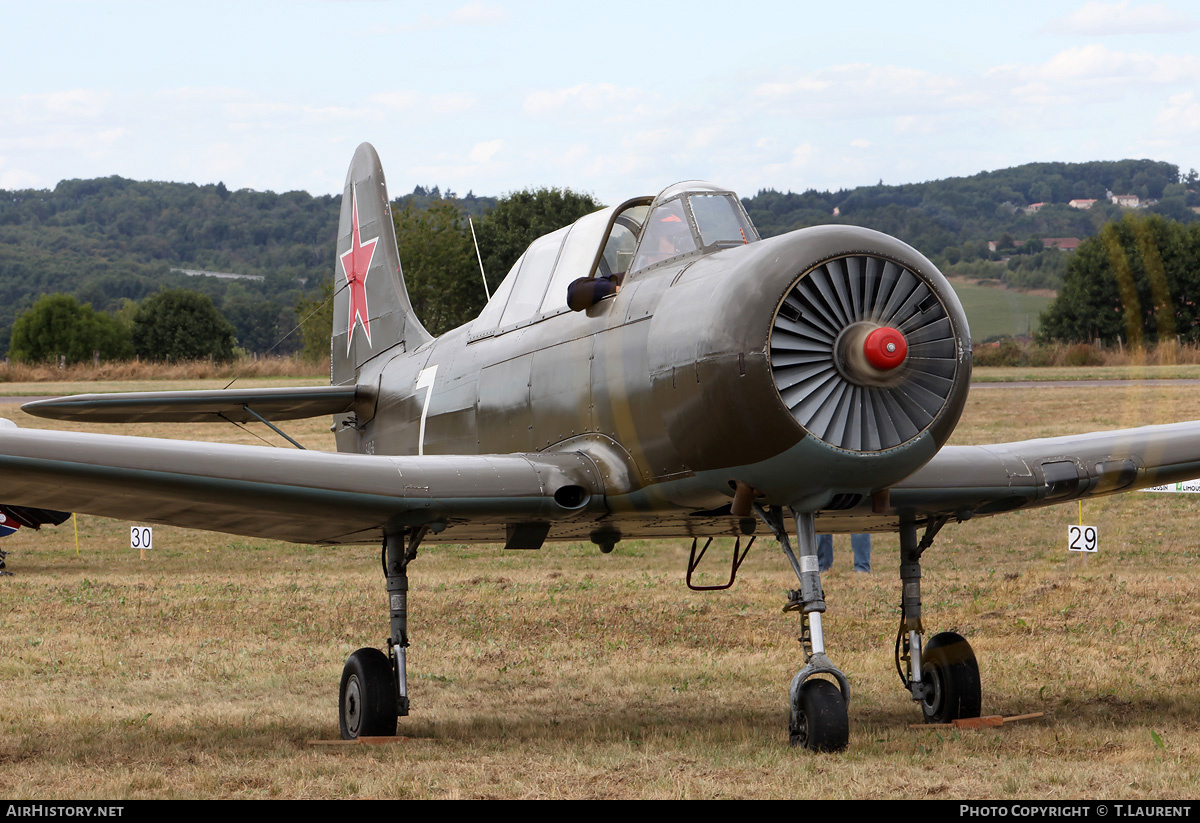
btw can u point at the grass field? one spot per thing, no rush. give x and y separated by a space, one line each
205 669
993 311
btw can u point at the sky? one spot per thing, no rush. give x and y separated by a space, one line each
616 99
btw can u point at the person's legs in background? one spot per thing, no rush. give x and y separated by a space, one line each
825 552
860 544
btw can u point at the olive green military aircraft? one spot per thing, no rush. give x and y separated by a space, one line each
653 370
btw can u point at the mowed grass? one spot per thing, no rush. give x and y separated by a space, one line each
206 669
994 312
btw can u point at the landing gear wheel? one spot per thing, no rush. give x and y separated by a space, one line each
367 697
820 722
951 675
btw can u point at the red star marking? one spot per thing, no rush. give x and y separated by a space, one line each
356 263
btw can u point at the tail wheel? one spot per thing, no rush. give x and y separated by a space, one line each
820 721
951 677
367 697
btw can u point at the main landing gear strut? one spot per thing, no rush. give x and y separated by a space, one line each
944 679
944 676
374 689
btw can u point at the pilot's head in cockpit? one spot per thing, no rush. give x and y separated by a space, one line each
669 233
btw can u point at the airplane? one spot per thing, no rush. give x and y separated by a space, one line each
14 518
653 370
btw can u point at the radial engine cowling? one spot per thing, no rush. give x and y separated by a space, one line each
864 351
853 362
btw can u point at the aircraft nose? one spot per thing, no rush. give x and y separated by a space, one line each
868 352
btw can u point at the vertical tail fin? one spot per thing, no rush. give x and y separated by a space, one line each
371 310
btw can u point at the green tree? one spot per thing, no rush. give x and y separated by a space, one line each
1137 281
314 314
440 269
177 324
256 324
522 217
59 325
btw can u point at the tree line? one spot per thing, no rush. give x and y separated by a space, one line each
441 269
952 220
112 244
1137 281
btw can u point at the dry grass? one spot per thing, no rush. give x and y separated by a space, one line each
203 670
1026 353
133 370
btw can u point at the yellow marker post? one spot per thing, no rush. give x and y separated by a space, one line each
75 521
1085 554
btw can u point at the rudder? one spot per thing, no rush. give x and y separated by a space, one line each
372 313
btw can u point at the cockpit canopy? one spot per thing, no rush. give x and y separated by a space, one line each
686 219
689 218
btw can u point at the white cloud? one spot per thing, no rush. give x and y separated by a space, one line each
651 139
11 179
68 105
1094 61
1181 116
484 152
1092 73
705 136
1122 18
396 100
800 84
586 96
477 14
472 14
866 90
910 124
451 103
802 155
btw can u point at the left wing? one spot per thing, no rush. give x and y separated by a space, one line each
969 481
294 495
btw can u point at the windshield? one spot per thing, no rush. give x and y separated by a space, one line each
667 235
720 220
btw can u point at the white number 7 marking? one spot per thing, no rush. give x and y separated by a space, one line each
425 381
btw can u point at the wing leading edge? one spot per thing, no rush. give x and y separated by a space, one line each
293 495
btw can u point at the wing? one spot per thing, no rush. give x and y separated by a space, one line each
286 403
972 481
295 495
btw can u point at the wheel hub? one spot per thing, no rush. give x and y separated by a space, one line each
934 692
352 706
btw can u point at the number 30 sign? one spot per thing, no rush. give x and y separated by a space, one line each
141 537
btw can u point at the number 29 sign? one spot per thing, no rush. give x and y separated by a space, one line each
1082 539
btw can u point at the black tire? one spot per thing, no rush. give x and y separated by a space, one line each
950 673
820 721
367 696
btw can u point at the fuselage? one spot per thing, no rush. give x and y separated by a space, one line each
668 386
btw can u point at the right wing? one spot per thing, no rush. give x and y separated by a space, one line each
294 495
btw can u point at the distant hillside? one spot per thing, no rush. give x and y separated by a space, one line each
110 239
952 220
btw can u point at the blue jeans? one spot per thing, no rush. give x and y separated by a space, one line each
860 544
